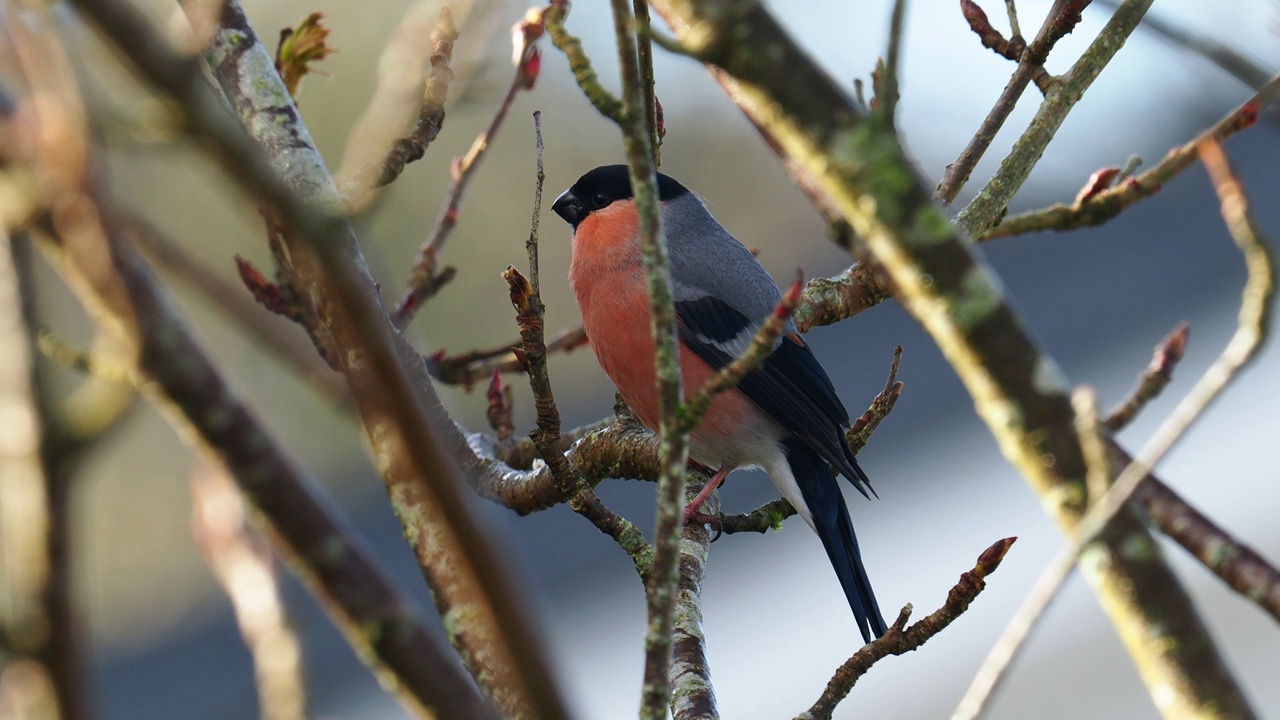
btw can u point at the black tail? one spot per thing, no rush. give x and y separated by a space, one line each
831 521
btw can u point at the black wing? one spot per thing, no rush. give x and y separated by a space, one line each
791 386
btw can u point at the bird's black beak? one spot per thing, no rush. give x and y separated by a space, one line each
569 207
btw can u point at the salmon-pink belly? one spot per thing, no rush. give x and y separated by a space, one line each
733 433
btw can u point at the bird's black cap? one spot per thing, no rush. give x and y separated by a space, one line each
603 186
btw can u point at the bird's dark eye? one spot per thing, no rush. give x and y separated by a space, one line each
599 200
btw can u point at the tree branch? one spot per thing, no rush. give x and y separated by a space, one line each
861 167
900 640
401 412
425 279
673 452
242 564
1061 19
1102 204
986 209
38 626
319 543
1243 346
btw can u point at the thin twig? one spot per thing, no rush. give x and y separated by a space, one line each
242 564
1012 48
230 299
424 277
1095 208
414 72
644 49
1238 565
1097 477
1061 19
39 627
887 92
469 368
1243 346
1241 567
357 192
1225 57
530 316
605 102
900 639
985 209
1011 6
860 431
1152 380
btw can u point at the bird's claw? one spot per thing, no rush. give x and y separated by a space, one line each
694 516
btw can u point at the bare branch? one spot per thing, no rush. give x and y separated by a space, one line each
827 301
470 367
1241 567
1017 389
604 101
425 278
1153 380
230 300
1061 19
1103 204
900 640
242 564
985 209
358 192
38 626
402 415
1242 347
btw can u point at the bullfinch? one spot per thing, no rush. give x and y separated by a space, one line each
784 417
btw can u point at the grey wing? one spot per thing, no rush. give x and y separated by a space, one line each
722 294
709 263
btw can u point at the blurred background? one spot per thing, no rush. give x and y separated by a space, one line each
164 641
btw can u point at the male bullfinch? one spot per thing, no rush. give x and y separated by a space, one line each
784 417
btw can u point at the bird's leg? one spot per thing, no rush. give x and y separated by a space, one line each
691 511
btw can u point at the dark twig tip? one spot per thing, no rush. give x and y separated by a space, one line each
991 558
